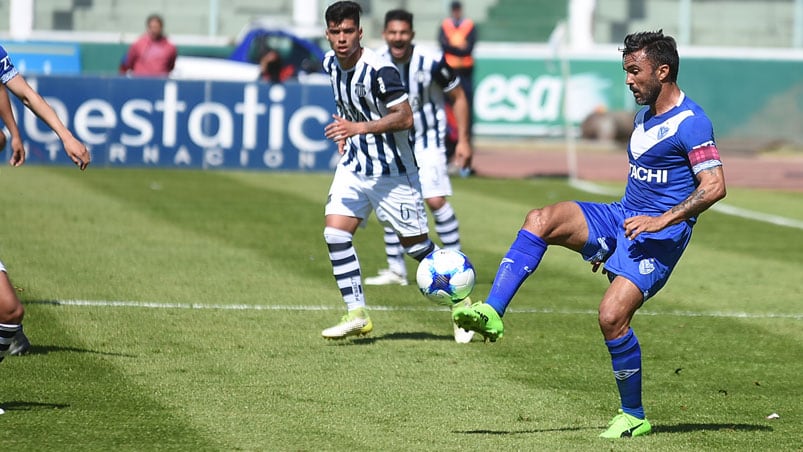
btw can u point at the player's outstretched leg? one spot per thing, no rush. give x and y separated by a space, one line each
518 264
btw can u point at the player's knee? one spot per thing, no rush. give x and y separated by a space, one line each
436 202
538 221
611 323
11 311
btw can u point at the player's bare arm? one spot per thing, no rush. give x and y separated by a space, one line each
75 150
7 115
463 152
399 117
711 189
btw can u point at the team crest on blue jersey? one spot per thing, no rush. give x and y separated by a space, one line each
662 132
359 89
645 267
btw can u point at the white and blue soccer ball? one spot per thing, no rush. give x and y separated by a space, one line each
445 276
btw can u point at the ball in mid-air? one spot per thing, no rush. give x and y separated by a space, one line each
445 276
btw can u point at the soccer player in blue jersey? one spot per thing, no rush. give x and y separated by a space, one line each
377 170
675 174
429 81
12 337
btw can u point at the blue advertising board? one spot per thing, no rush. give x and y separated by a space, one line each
49 58
185 124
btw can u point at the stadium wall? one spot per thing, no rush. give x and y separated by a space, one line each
213 124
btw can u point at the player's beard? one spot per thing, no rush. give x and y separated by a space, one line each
648 94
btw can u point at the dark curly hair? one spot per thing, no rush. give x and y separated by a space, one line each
658 48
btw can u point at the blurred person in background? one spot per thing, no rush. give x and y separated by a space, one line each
152 55
12 338
272 68
377 170
457 36
675 175
428 80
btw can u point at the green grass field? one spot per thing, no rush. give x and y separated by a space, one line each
182 310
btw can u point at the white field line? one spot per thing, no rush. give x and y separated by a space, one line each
257 307
727 209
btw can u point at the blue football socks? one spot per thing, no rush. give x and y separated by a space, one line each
520 262
626 359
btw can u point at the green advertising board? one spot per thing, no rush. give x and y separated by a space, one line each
536 94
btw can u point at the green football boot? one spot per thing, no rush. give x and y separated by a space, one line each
479 317
354 323
624 425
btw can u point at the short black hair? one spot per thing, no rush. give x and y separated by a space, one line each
455 6
339 11
659 49
399 14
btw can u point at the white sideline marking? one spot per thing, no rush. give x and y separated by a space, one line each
259 307
727 209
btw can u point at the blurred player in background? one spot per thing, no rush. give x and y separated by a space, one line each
12 338
675 174
428 80
377 170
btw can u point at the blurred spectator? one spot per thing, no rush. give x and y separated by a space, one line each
152 54
273 69
457 37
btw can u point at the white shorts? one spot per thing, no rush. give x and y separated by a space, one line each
396 200
433 171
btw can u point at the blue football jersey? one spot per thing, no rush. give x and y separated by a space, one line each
665 153
7 69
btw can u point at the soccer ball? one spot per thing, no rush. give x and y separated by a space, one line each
445 276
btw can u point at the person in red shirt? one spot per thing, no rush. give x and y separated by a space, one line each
152 54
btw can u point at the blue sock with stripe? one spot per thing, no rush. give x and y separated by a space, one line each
519 263
626 359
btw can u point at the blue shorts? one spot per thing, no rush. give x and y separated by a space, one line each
647 261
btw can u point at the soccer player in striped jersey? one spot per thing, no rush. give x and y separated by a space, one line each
12 338
675 174
377 170
429 80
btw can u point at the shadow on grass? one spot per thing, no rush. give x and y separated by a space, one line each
31 406
686 428
47 349
520 432
678 428
398 336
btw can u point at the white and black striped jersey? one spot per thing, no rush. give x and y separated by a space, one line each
427 77
365 93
